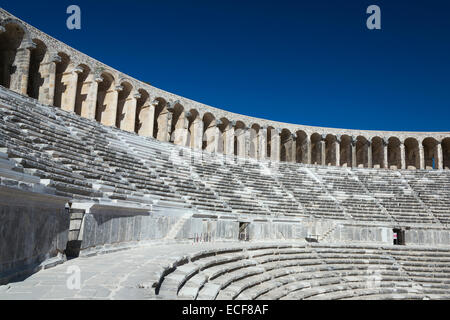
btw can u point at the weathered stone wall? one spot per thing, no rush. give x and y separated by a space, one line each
33 231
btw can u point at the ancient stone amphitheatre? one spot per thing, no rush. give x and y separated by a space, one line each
150 195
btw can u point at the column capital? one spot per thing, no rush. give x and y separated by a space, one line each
294 136
155 102
323 136
353 141
369 143
118 88
385 142
219 122
54 57
98 79
77 70
137 95
187 114
28 45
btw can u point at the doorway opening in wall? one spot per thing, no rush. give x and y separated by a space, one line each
399 237
243 231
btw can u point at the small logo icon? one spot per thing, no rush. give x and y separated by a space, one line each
74 20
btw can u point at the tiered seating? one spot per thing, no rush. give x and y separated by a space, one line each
216 174
173 169
428 267
266 189
395 195
35 140
433 188
309 192
351 194
311 272
83 159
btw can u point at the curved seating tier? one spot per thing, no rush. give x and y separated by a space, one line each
83 159
311 271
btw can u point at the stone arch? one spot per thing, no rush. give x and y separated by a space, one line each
377 152
412 156
346 151
316 151
209 132
106 99
394 153
195 129
301 146
145 113
39 57
430 152
62 80
446 153
330 150
15 45
161 124
82 90
362 154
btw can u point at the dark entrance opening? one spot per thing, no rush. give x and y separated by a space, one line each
399 237
243 231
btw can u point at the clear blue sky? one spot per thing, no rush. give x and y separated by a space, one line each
306 62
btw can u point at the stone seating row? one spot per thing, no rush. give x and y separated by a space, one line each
310 271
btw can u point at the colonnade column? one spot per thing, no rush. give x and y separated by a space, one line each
369 154
337 145
91 99
110 113
72 91
385 154
47 93
229 138
275 145
353 146
421 157
439 160
402 156
262 143
197 134
21 67
323 154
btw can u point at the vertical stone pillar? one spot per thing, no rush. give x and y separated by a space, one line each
181 130
421 157
323 150
275 145
21 65
353 144
91 99
241 142
229 139
293 148
308 150
385 154
72 91
402 156
369 154
110 113
439 160
210 137
129 120
218 139
337 145
262 143
47 90
197 134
